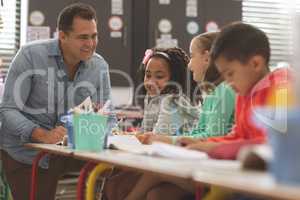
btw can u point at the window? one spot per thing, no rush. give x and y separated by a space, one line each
9 31
275 18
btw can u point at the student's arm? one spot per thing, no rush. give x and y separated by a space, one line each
204 146
216 118
229 151
150 137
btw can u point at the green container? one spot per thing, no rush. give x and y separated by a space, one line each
90 132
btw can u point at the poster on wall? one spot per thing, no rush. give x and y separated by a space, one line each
166 41
36 18
115 24
192 27
117 7
165 26
191 8
164 2
212 26
38 33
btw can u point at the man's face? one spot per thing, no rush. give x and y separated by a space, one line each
241 77
80 43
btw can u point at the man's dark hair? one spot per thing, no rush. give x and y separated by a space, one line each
240 41
67 15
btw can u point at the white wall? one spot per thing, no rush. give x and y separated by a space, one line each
122 95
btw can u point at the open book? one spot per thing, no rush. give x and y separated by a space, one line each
131 144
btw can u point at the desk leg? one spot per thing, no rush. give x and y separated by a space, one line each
82 178
35 166
199 192
99 169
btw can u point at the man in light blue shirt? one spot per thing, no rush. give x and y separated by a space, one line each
45 79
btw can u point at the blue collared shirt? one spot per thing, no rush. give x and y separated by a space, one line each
38 90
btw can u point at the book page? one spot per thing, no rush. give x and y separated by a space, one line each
131 144
172 151
127 143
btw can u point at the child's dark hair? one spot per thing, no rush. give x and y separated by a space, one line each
212 76
240 41
178 61
67 15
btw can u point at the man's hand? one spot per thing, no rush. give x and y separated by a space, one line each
49 137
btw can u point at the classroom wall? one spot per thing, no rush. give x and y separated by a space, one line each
128 27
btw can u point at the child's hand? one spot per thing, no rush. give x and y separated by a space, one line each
160 138
203 146
185 141
118 132
145 138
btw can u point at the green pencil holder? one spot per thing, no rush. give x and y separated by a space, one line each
90 132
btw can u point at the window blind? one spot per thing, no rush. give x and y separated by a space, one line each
9 31
275 18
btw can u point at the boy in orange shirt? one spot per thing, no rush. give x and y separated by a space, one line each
242 53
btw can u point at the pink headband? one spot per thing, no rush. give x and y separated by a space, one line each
149 53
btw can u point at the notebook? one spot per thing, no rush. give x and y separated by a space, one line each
131 144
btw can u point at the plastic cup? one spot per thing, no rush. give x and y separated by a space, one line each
284 138
68 123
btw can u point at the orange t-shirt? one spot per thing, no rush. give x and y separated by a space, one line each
262 94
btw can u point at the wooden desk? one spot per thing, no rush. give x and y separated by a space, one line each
169 167
51 148
163 166
227 174
251 182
